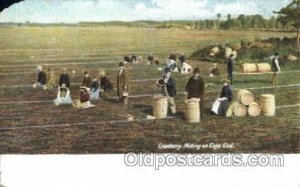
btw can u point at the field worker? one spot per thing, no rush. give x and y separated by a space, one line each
140 60
105 84
84 101
63 96
171 64
275 68
41 77
122 84
173 56
150 59
169 89
95 92
182 58
195 88
51 80
87 80
186 68
214 70
127 58
64 78
220 106
230 64
133 58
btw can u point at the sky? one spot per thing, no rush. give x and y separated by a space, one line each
73 11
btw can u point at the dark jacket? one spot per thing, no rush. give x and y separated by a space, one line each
195 87
230 63
274 66
94 86
64 79
127 59
182 58
87 81
42 78
133 58
215 71
227 92
105 84
150 58
170 86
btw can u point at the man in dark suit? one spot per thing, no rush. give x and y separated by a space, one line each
230 64
105 84
64 79
195 88
169 89
41 79
182 58
87 80
221 104
275 68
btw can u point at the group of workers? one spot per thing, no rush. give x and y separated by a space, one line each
91 88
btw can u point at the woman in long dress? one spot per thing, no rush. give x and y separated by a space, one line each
63 96
221 105
95 91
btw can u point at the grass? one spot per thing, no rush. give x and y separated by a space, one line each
36 45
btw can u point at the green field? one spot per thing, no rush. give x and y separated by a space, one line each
37 126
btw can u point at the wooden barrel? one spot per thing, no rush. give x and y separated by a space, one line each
228 51
245 97
192 112
160 107
229 112
267 103
249 68
239 109
263 67
254 109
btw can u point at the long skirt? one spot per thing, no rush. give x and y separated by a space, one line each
82 105
62 100
220 107
95 95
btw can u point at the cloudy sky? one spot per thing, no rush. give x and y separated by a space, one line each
72 11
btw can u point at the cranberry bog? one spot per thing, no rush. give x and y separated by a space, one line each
30 123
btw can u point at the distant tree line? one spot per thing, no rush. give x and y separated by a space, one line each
243 22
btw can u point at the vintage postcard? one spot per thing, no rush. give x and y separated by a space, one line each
149 76
89 76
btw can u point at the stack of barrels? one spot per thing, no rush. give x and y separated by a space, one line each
256 68
246 104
